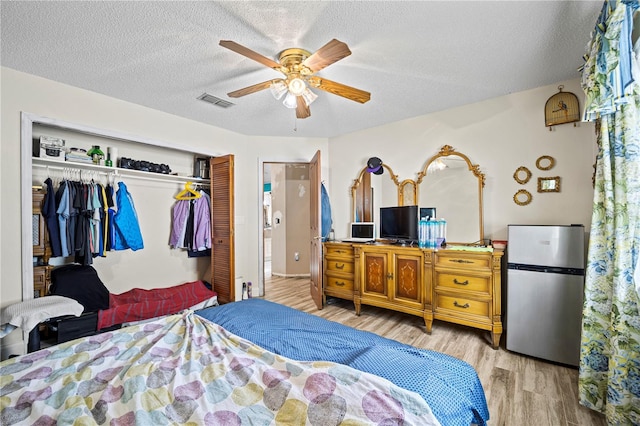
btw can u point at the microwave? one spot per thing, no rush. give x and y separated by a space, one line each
363 230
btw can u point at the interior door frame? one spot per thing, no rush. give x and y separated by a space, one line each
261 161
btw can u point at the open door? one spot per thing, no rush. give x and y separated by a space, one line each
222 226
315 252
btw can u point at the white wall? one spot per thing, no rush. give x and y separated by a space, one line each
26 93
500 135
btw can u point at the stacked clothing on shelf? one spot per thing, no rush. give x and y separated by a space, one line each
78 155
84 222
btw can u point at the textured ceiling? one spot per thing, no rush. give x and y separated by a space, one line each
414 57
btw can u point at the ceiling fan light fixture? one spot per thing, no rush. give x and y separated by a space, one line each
278 89
309 96
290 101
297 86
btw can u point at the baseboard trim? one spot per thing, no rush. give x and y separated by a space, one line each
291 275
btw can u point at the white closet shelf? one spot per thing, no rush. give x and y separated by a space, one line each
116 171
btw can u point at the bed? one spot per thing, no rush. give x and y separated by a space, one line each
450 386
250 362
103 310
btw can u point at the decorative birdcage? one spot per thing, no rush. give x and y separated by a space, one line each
561 108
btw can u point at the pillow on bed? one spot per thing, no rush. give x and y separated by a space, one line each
81 283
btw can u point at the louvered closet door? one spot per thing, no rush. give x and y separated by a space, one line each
222 226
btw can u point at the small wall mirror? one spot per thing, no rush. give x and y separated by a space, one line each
522 197
549 184
371 191
522 175
453 185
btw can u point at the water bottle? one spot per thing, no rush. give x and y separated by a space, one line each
431 234
422 233
443 226
438 232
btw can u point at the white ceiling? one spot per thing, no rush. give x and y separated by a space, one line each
414 57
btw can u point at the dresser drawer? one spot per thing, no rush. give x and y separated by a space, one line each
338 283
463 282
463 305
336 250
339 265
455 260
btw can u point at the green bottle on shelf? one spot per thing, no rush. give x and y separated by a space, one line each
96 154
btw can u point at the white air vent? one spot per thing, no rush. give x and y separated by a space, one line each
215 101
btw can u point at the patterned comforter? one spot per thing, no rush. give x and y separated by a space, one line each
185 369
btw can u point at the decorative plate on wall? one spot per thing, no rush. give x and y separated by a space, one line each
561 108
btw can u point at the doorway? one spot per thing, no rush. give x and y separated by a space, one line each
285 196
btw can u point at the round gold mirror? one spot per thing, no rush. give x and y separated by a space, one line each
545 162
522 175
522 197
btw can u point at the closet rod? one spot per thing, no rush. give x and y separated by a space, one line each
118 173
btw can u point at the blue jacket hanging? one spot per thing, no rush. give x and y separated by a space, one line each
325 213
125 221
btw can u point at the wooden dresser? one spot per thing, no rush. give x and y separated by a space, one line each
462 287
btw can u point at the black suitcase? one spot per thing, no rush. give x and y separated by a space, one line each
81 283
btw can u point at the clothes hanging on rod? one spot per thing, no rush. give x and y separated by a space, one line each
127 230
191 222
81 219
76 219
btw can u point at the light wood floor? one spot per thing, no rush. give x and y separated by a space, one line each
520 390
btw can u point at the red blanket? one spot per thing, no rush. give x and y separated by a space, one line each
139 304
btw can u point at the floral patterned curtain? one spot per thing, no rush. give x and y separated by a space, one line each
609 377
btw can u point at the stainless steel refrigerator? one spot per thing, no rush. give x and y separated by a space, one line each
544 292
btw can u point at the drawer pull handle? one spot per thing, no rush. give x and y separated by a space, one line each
390 275
465 282
339 265
460 261
340 283
456 304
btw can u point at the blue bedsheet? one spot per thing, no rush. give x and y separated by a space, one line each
450 386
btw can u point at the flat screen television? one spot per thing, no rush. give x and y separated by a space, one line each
399 224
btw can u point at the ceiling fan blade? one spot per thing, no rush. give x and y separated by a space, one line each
340 89
232 45
302 109
327 55
251 89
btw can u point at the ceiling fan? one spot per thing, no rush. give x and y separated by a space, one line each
299 67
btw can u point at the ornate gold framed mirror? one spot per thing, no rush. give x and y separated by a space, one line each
370 191
545 162
522 197
407 193
549 184
522 175
453 185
